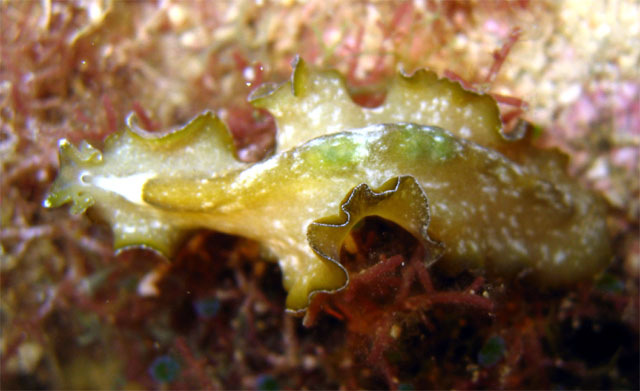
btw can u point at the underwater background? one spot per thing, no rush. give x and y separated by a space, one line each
74 315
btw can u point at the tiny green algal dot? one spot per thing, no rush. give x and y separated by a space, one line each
207 307
267 383
492 351
164 369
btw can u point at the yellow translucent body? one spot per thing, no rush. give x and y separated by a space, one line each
431 159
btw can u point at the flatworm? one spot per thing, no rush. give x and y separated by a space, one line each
432 158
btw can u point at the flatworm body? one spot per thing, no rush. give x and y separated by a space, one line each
432 159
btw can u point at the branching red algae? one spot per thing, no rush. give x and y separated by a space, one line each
304 360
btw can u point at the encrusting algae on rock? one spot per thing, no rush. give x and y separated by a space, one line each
432 158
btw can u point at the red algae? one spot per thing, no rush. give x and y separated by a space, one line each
74 316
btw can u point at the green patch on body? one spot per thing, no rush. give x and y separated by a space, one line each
335 153
417 143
